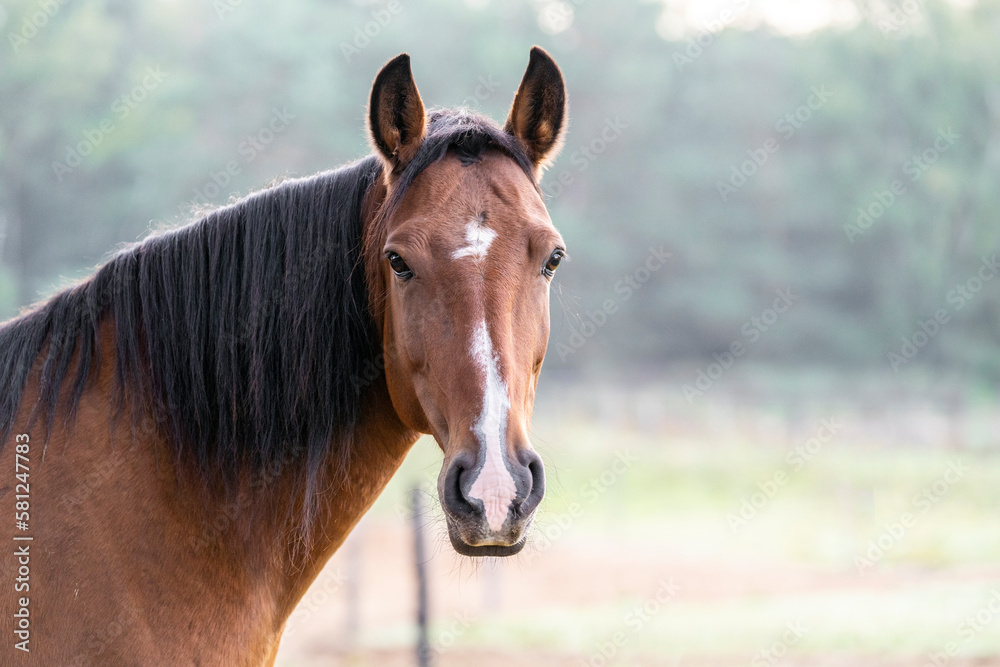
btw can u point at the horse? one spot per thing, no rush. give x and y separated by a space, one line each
191 432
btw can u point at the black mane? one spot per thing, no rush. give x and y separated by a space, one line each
243 334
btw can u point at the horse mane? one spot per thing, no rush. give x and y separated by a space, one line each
245 335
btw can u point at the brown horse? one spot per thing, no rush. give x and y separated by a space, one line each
196 428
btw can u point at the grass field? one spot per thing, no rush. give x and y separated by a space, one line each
712 536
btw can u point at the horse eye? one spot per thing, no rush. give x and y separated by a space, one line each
398 265
550 266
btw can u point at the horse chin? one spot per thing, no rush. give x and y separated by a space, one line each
484 550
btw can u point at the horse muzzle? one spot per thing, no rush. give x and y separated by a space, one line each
489 507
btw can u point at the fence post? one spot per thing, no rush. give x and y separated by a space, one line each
423 648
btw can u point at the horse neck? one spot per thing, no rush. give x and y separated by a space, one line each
380 444
260 554
240 567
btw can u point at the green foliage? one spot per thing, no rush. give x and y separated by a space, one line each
655 137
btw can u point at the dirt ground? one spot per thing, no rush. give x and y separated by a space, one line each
482 658
361 610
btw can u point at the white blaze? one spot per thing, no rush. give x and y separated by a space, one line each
478 238
494 485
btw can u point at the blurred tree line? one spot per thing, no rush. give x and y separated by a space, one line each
856 167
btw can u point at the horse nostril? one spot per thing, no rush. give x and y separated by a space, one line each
454 499
536 476
529 476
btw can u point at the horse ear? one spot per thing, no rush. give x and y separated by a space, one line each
539 113
396 114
